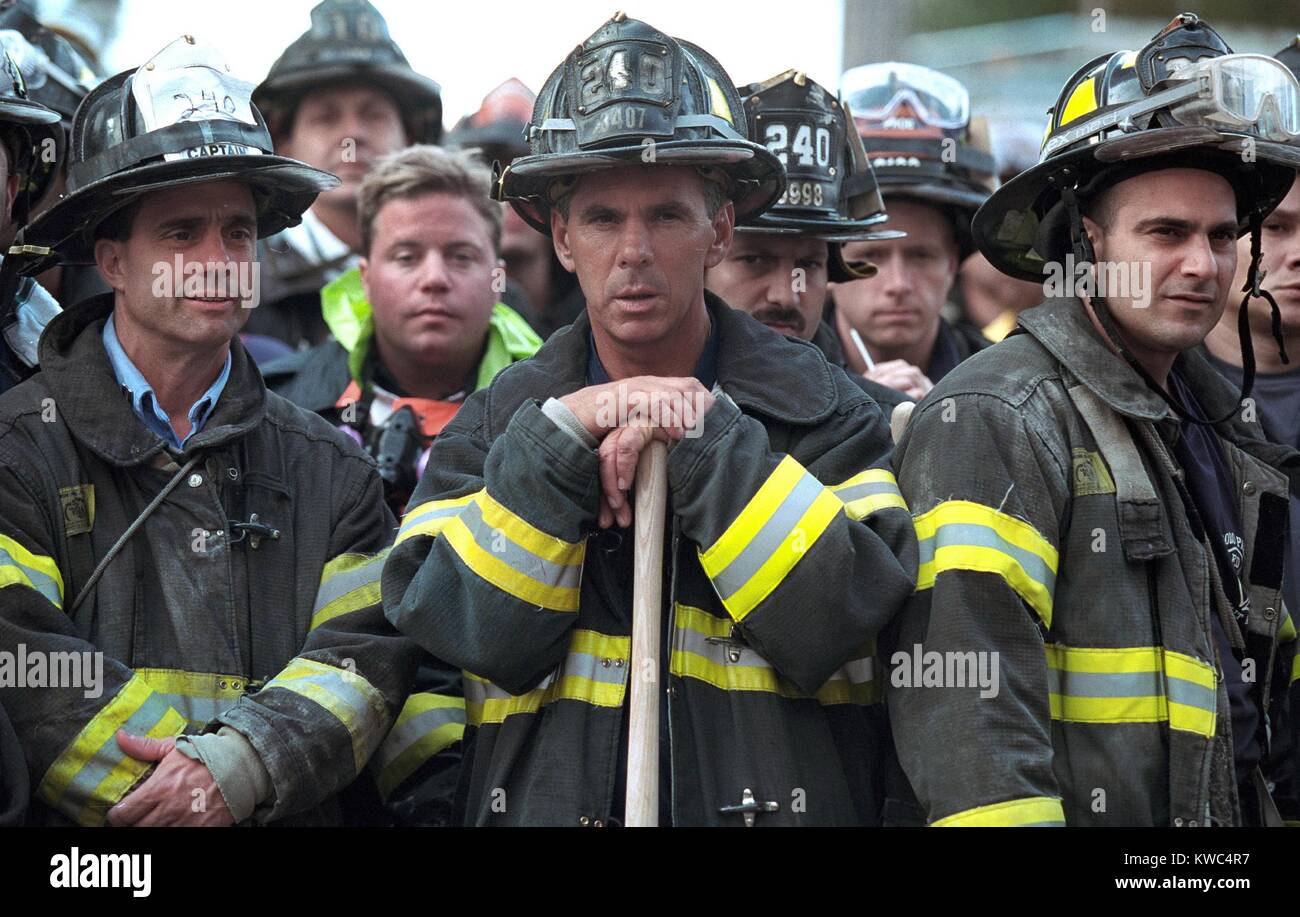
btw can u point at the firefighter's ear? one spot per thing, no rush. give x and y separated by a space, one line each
108 259
560 239
724 230
363 268
1096 235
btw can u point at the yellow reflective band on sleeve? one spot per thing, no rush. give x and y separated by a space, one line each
515 557
961 535
777 527
197 696
594 671
20 567
1144 684
352 700
1031 812
427 724
431 517
1286 631
91 774
703 650
1295 668
349 582
869 492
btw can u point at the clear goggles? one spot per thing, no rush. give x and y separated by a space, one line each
1243 93
876 91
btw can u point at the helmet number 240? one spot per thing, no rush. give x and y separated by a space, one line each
777 136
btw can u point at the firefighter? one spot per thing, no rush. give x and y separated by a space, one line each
934 167
780 262
58 77
29 134
417 327
1114 555
781 507
338 98
217 548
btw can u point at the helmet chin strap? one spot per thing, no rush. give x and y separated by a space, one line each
1067 182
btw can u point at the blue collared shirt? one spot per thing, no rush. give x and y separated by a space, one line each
145 403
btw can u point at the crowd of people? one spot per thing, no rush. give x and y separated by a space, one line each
315 434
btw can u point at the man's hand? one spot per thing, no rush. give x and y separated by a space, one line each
665 401
901 376
167 797
626 416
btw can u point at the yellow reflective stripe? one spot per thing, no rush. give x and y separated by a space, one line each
20 567
1295 667
431 517
961 535
1142 684
515 557
91 773
869 492
1082 101
198 696
427 724
1287 630
348 583
776 528
524 534
1032 811
352 700
594 671
694 656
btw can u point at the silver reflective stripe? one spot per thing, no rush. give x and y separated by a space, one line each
407 734
432 512
867 489
109 755
43 584
585 665
497 543
340 584
199 710
968 533
1192 695
858 671
775 530
1104 684
480 692
692 641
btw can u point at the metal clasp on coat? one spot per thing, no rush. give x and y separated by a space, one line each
254 530
749 807
734 643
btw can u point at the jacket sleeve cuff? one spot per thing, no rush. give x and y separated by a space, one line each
568 421
241 777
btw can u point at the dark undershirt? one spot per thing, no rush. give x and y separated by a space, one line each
1209 480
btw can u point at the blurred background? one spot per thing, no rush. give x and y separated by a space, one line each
1013 54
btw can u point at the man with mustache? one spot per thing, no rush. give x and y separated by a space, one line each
779 264
1115 540
218 547
935 169
787 548
339 98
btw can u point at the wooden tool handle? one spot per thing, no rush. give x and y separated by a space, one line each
642 803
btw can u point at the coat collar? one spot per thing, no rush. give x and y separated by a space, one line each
762 371
1062 327
76 368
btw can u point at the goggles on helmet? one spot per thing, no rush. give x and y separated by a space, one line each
877 91
1243 93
